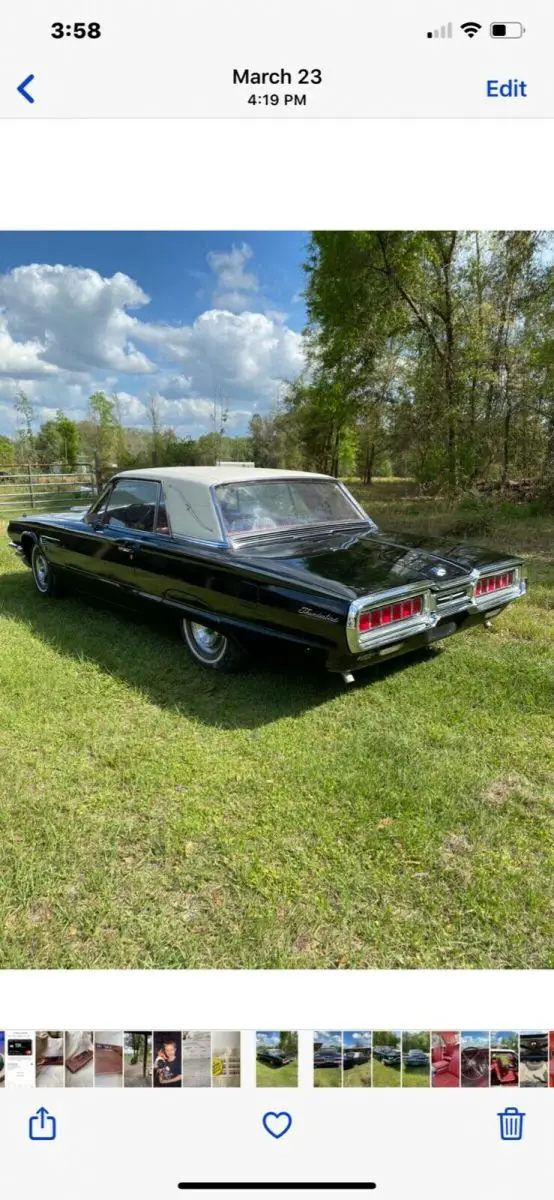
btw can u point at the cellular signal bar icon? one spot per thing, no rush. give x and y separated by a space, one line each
445 31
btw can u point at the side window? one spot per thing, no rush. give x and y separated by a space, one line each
132 504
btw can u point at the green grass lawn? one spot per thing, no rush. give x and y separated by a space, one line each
385 1076
267 1077
326 1077
416 1077
153 815
357 1076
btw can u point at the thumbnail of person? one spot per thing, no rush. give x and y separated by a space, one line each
167 1060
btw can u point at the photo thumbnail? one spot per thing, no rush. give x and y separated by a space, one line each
327 1058
167 1060
504 1061
226 1058
387 1058
276 1059
356 1059
79 1059
416 1056
445 1059
197 1058
20 1058
49 1051
108 1058
282 499
475 1059
137 1059
533 1059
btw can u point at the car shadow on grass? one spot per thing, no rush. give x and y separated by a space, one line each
147 654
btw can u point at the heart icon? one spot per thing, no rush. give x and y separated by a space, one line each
277 1124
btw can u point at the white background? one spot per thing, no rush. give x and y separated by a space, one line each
404 174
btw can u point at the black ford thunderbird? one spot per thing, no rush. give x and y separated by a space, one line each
241 554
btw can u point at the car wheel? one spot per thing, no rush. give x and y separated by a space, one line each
46 582
212 648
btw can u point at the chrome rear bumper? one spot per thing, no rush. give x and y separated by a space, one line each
437 605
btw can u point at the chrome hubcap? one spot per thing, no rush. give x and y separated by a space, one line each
41 572
208 640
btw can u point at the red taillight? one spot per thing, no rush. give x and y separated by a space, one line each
494 583
388 613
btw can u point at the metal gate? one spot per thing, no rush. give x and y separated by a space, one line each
31 488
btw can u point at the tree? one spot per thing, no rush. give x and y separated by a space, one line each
24 415
120 441
435 348
104 425
219 418
68 437
154 414
7 452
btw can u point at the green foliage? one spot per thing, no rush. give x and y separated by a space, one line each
435 350
7 452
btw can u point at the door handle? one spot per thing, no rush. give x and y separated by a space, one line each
127 547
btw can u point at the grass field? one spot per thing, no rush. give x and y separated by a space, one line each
155 816
357 1076
385 1076
416 1077
272 1077
328 1077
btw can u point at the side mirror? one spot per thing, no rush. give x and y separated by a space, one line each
93 519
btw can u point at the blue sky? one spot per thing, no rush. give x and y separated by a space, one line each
478 1038
188 317
329 1037
355 1039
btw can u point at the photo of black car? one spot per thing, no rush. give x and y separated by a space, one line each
242 555
276 1058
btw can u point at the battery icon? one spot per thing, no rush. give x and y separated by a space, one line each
507 29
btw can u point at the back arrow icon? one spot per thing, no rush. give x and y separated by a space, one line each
22 86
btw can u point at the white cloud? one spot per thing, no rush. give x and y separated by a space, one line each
229 268
70 318
68 331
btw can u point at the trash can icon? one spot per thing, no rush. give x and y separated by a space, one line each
511 1125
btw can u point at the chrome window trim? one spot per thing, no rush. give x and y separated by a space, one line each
133 479
364 519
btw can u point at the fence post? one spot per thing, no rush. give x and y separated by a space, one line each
30 478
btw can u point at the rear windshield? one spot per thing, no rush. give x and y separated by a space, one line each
284 504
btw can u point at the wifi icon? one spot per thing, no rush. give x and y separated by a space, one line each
471 28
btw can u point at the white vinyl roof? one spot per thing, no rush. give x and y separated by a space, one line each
208 476
189 501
